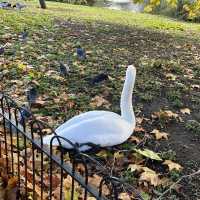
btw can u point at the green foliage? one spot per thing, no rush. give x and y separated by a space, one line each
193 126
188 10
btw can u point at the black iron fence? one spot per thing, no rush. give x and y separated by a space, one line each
46 172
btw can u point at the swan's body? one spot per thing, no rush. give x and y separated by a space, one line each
102 128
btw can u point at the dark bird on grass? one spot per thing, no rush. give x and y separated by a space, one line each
32 95
64 69
99 78
81 53
25 114
24 35
2 50
5 5
19 6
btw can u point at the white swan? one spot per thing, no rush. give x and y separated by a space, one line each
102 128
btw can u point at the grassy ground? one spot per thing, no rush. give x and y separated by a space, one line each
167 57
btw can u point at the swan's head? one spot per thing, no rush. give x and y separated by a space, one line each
131 72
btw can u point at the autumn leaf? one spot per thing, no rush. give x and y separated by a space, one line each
185 111
172 165
99 101
135 167
134 139
150 176
124 196
139 129
102 154
149 154
160 135
165 114
95 180
170 76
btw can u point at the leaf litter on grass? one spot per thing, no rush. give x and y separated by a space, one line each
34 62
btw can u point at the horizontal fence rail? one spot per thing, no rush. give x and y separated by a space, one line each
48 172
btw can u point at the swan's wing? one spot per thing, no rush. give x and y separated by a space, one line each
81 117
106 130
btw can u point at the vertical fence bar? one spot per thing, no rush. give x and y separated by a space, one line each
33 161
5 135
61 176
18 151
11 141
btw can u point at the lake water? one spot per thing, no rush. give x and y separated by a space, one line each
121 5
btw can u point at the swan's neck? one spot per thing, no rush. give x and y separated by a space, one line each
126 97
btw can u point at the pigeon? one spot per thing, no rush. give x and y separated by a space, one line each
19 6
2 50
99 78
24 35
32 95
5 5
64 69
81 53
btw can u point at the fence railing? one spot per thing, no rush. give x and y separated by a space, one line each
46 172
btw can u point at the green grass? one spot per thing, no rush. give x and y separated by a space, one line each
36 17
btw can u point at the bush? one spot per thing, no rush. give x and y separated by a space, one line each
188 10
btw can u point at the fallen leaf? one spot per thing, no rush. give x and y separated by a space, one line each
135 167
134 139
99 101
150 176
170 76
185 111
160 135
124 196
172 165
165 114
149 154
139 129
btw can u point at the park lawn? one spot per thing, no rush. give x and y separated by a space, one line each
167 92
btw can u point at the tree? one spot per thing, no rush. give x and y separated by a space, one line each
188 9
43 4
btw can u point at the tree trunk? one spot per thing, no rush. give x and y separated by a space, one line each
179 6
42 4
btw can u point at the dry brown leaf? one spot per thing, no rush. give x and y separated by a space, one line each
165 114
135 167
160 135
170 76
99 101
95 180
139 120
150 176
139 129
124 196
165 182
172 165
134 139
91 198
185 111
